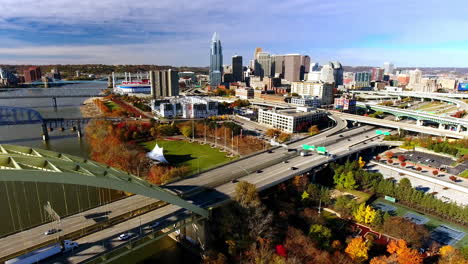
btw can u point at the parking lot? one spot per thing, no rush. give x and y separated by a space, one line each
431 160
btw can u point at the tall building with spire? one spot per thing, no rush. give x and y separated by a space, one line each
216 61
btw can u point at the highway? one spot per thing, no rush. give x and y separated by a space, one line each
28 238
401 125
96 243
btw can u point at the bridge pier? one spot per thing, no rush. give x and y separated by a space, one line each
419 122
442 126
397 118
54 103
45 133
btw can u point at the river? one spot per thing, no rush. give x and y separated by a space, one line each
21 204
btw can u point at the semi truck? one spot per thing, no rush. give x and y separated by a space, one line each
43 253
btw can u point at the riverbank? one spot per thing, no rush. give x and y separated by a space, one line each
89 108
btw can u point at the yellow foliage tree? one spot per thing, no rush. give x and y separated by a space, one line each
450 255
365 214
357 249
361 162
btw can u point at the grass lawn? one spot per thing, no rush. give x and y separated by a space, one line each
429 105
112 106
194 155
361 196
464 174
463 151
433 222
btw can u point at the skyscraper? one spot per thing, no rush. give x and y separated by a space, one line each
415 77
305 65
216 61
292 67
337 72
277 64
263 65
327 74
377 74
388 67
237 68
164 83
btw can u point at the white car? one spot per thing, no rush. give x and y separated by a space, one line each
51 231
125 236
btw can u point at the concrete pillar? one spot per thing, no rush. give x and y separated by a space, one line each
441 126
458 129
78 129
45 133
397 118
422 99
419 122
109 82
399 131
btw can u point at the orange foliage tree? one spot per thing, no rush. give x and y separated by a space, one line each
357 249
404 254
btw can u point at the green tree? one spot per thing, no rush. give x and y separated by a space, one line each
349 182
321 235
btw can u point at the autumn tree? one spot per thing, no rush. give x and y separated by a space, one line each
273 132
401 158
357 249
389 154
450 255
435 172
246 194
404 254
365 214
313 130
415 235
283 137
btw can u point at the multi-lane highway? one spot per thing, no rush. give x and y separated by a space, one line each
401 125
31 237
338 145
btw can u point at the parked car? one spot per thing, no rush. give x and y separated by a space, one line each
293 168
154 225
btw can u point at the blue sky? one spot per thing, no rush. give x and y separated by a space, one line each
416 33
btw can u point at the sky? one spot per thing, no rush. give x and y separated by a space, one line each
409 33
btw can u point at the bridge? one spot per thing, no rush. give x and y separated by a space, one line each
399 125
444 97
17 93
214 188
10 115
420 117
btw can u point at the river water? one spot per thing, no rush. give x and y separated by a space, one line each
21 203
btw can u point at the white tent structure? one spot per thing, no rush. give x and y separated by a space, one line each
157 154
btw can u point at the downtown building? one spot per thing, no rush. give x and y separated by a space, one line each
290 120
164 83
262 65
185 107
322 91
237 69
216 61
32 74
362 80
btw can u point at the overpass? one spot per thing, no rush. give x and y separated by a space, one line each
444 97
360 139
201 186
400 125
420 117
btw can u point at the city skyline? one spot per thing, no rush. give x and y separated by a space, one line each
178 33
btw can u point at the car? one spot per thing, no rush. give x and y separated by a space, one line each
51 231
154 225
285 161
270 151
125 236
259 171
293 168
234 181
341 135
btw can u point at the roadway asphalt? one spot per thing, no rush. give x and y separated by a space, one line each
105 240
28 238
402 125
